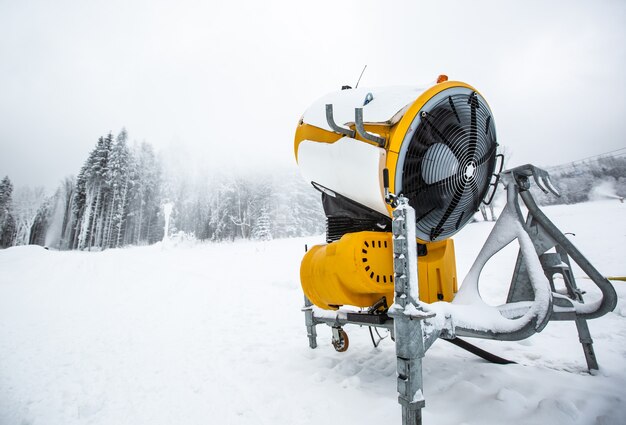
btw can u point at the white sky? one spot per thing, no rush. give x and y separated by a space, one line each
227 81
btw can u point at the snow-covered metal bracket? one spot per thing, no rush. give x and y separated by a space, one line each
547 237
533 300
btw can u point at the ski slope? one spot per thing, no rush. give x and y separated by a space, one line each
213 334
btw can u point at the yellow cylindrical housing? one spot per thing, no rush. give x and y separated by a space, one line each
438 143
357 270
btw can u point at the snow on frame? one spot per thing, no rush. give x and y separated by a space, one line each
213 333
468 310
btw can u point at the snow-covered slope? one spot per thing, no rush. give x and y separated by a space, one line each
213 334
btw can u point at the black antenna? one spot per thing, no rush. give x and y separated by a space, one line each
357 83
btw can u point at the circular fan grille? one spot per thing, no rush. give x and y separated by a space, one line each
449 163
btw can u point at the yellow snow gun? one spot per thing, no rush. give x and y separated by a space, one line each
400 171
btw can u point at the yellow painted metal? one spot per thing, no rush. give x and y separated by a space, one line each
622 278
402 126
357 270
310 132
437 270
393 134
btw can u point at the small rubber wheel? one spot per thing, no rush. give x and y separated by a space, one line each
342 343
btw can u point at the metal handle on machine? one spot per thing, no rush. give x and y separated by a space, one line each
494 184
332 124
358 124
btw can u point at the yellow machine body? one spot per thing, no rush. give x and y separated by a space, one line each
357 270
346 141
393 130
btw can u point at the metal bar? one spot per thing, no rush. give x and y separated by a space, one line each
332 124
409 335
490 357
584 337
358 124
310 322
609 297
532 326
339 321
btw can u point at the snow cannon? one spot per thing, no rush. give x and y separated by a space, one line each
400 171
435 145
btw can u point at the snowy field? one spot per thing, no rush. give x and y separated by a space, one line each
213 334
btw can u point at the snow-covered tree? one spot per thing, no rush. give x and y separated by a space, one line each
58 232
7 218
40 225
262 226
26 203
117 177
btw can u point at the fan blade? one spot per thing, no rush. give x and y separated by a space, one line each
473 139
455 148
422 216
438 163
456 198
487 155
456 114
420 190
475 199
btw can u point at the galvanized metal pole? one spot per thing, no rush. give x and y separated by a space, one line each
407 325
309 321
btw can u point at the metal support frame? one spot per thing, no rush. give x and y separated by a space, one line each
410 348
553 263
405 317
309 321
545 236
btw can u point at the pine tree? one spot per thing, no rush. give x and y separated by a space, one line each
7 220
6 193
117 175
40 225
68 192
262 227
59 226
91 204
26 203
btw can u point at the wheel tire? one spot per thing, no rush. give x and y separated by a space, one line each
343 343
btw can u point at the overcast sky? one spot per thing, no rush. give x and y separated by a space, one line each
226 82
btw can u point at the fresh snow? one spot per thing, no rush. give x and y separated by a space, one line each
387 105
213 334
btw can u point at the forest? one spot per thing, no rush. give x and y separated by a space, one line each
119 196
121 193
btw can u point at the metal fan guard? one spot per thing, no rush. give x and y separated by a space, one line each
446 161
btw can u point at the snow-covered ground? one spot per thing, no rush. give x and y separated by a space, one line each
213 334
